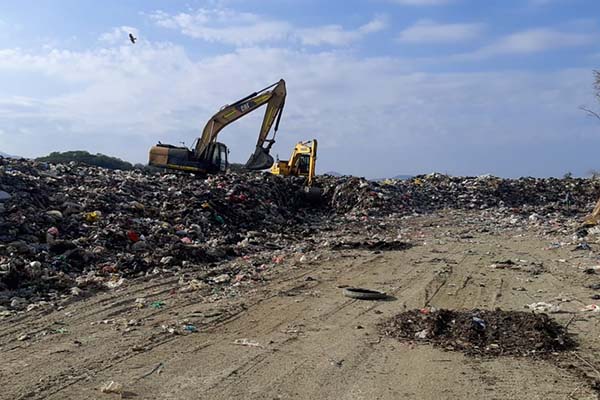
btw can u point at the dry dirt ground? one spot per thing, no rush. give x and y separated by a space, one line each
307 341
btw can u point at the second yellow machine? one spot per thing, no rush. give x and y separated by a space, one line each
302 162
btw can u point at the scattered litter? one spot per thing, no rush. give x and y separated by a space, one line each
482 332
592 270
583 246
193 286
221 278
246 342
422 334
156 369
169 329
157 304
112 387
140 302
364 294
543 307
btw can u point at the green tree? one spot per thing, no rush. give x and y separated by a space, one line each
98 160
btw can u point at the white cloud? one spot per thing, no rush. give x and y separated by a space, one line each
246 29
118 35
336 35
382 111
377 24
225 26
535 41
427 31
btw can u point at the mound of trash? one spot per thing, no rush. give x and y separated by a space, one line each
62 225
427 193
65 226
481 332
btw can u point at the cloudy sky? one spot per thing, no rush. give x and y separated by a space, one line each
387 86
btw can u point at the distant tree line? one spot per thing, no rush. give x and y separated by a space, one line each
98 160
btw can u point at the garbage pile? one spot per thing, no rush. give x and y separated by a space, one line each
432 192
65 225
69 226
481 332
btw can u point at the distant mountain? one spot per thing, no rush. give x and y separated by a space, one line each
400 177
333 173
403 177
7 155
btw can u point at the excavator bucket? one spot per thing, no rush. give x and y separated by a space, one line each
261 159
312 195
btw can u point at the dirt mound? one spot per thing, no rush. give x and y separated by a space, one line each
480 332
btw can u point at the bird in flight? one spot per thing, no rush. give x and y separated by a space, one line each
132 38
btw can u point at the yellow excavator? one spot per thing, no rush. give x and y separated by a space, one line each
210 156
301 163
594 218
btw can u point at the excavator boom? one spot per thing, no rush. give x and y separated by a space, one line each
274 97
210 156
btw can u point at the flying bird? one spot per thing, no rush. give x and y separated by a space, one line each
132 38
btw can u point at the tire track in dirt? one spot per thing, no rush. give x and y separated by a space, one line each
156 343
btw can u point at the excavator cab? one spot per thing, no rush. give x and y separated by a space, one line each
303 164
218 154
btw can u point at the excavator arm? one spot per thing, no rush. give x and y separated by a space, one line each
274 97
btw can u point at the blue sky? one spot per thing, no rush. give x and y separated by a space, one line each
465 87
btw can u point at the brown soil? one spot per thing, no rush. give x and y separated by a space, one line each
295 335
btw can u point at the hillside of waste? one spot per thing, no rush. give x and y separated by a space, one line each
70 225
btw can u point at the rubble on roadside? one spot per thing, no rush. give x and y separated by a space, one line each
71 225
533 197
482 332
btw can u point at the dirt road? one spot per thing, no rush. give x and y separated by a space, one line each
304 340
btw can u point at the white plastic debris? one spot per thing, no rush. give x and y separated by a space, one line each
591 308
246 342
221 278
112 387
422 334
544 307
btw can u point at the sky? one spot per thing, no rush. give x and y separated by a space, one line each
464 87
